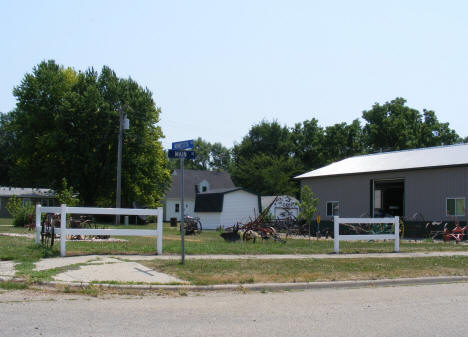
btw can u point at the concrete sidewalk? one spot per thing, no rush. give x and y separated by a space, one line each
124 269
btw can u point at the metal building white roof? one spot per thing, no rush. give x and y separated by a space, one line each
450 155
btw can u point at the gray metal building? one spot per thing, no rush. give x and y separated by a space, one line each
432 182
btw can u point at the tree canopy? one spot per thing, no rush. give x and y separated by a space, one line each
270 155
395 126
65 125
209 156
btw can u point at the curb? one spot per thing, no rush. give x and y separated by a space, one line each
272 286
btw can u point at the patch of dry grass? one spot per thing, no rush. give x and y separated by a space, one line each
201 272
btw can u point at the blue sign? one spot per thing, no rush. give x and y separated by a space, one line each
181 154
183 145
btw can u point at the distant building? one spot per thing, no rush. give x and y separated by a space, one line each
44 196
195 181
284 207
226 207
432 182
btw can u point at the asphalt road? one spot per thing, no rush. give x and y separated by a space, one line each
429 310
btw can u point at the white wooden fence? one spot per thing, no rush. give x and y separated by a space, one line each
64 231
337 237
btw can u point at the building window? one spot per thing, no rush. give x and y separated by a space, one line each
333 208
204 188
177 208
455 206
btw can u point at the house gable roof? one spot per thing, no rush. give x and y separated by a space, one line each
213 200
25 192
217 180
431 157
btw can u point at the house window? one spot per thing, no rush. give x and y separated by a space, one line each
177 208
333 208
455 206
204 188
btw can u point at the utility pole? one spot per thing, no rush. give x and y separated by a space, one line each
119 165
124 124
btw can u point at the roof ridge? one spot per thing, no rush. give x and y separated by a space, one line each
406 150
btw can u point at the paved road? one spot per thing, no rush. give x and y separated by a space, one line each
431 310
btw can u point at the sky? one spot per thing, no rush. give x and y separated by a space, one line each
216 68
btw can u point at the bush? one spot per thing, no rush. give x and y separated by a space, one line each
19 211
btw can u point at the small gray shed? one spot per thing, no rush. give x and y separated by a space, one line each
429 183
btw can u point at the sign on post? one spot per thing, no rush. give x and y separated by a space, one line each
179 151
181 154
183 145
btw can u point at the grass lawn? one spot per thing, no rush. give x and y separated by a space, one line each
209 242
24 251
204 272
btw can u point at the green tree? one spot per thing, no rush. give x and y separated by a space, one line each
267 175
395 126
307 205
65 125
66 195
213 157
5 150
264 162
308 138
342 141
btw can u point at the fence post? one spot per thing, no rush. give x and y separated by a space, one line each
63 226
397 234
159 240
336 234
38 223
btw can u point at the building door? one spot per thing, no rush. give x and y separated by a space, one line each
388 198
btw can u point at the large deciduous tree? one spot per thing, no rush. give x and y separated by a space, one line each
209 156
265 160
395 126
65 125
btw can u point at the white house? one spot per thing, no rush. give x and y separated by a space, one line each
284 207
226 207
195 181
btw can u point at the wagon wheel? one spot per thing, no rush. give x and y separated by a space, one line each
43 233
52 236
199 227
47 236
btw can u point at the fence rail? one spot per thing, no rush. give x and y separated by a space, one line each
64 231
337 237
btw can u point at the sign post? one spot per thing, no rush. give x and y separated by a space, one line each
179 151
182 209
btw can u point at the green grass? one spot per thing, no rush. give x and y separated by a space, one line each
26 253
6 222
209 242
13 285
205 272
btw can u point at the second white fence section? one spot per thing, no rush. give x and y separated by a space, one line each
64 231
394 236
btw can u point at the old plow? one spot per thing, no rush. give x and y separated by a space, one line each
254 229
